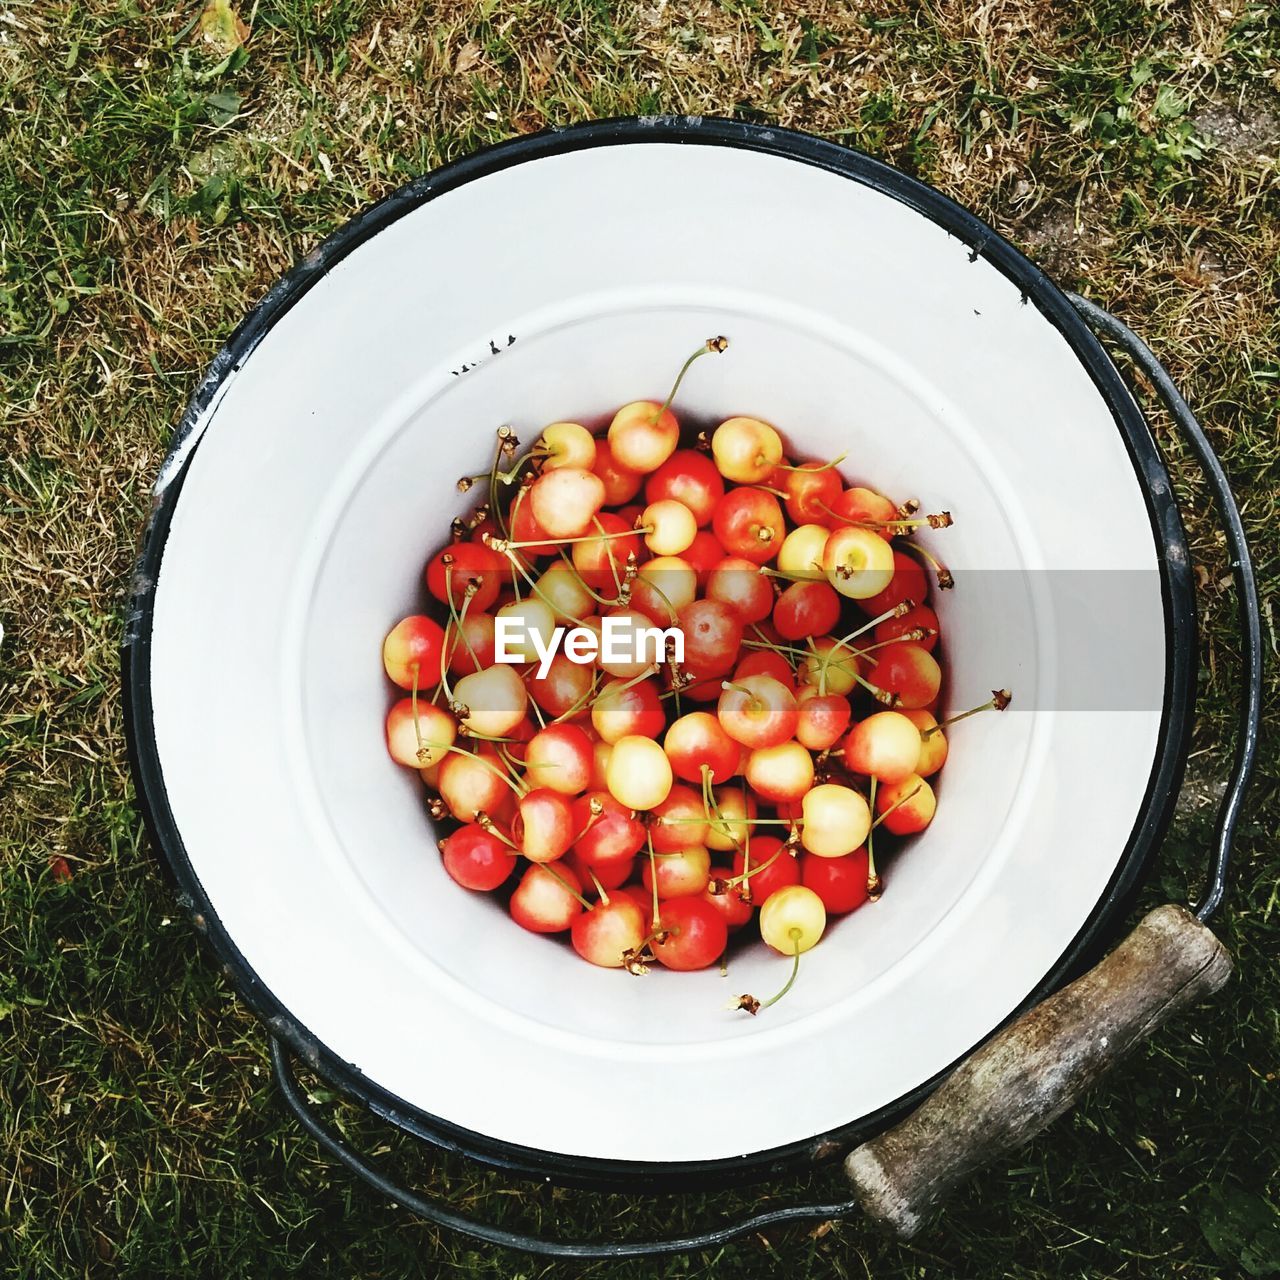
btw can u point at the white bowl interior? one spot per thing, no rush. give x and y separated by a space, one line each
326 476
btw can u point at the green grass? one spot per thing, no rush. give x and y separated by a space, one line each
151 187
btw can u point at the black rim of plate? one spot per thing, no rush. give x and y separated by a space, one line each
973 237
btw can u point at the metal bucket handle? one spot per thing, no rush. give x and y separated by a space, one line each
900 1175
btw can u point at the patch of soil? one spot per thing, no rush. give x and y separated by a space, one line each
1245 126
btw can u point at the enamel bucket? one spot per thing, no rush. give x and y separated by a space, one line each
557 277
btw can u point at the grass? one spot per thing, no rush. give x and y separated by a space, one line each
152 185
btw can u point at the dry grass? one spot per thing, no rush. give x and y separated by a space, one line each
149 191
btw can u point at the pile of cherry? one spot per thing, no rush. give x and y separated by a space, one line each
648 807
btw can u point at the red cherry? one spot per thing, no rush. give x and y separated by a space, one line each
908 583
472 648
566 684
806 609
461 563
696 934
749 524
920 616
908 670
712 637
414 641
811 489
689 477
614 835
731 904
782 869
822 718
861 506
525 528
621 484
476 858
766 662
704 553
841 883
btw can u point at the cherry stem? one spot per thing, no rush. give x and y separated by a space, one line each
896 612
656 925
519 788
564 884
945 578
417 727
505 544
872 878
487 824
1000 699
942 520
712 346
794 935
826 466
798 575
600 889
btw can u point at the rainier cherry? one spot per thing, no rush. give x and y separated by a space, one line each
491 702
740 584
733 816
766 662
864 507
566 444
559 757
801 551
806 609
671 526
857 562
471 784
933 742
547 899
780 774
906 807
758 711
836 820
543 825
664 586
416 641
812 489
729 902
792 920
643 435
679 873
746 450
566 687
628 707
425 745
603 935
638 774
565 501
472 646
908 582
918 618
697 740
451 571
564 592
885 746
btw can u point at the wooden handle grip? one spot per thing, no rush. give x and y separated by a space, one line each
1033 1070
